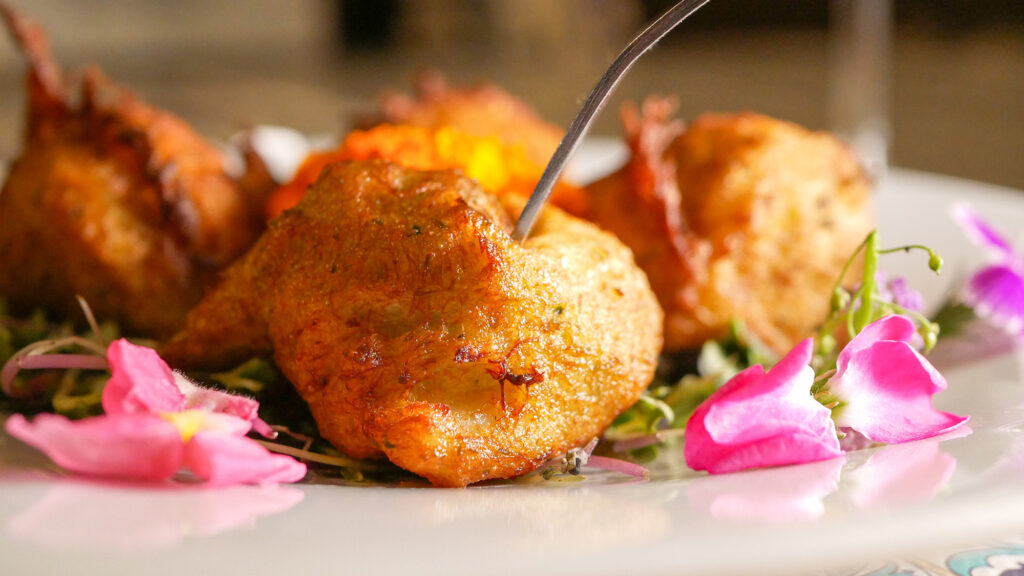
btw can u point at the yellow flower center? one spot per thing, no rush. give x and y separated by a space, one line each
188 422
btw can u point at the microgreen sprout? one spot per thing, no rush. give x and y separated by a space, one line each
36 357
850 313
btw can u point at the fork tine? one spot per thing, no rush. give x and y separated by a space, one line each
593 105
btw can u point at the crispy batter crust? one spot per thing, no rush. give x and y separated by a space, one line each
397 304
736 217
112 200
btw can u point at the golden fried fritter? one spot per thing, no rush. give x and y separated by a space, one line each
113 200
483 110
738 217
416 329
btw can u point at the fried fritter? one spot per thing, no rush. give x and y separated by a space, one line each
397 304
114 201
737 217
482 110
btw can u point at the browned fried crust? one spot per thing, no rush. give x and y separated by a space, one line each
397 304
113 200
739 217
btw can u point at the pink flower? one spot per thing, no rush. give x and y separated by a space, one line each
886 386
896 291
156 425
760 419
996 292
132 364
883 386
140 382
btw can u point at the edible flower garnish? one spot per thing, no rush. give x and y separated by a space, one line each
157 425
884 386
896 291
876 389
759 419
881 390
996 292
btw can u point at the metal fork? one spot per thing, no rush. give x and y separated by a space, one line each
593 105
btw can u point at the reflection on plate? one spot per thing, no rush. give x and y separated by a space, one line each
869 506
120 518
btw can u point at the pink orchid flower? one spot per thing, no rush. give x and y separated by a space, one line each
156 425
886 386
760 419
996 292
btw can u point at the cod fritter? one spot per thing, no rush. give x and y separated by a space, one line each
736 217
397 304
114 201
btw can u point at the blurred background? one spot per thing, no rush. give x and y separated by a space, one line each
952 78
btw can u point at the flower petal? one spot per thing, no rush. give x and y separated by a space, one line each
760 419
213 400
795 446
774 400
191 422
997 294
887 389
893 327
894 289
140 381
979 232
905 296
126 446
225 459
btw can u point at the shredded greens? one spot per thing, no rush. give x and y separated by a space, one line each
72 393
661 415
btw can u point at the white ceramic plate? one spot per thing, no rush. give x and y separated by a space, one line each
875 504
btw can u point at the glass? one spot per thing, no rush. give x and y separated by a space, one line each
861 38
